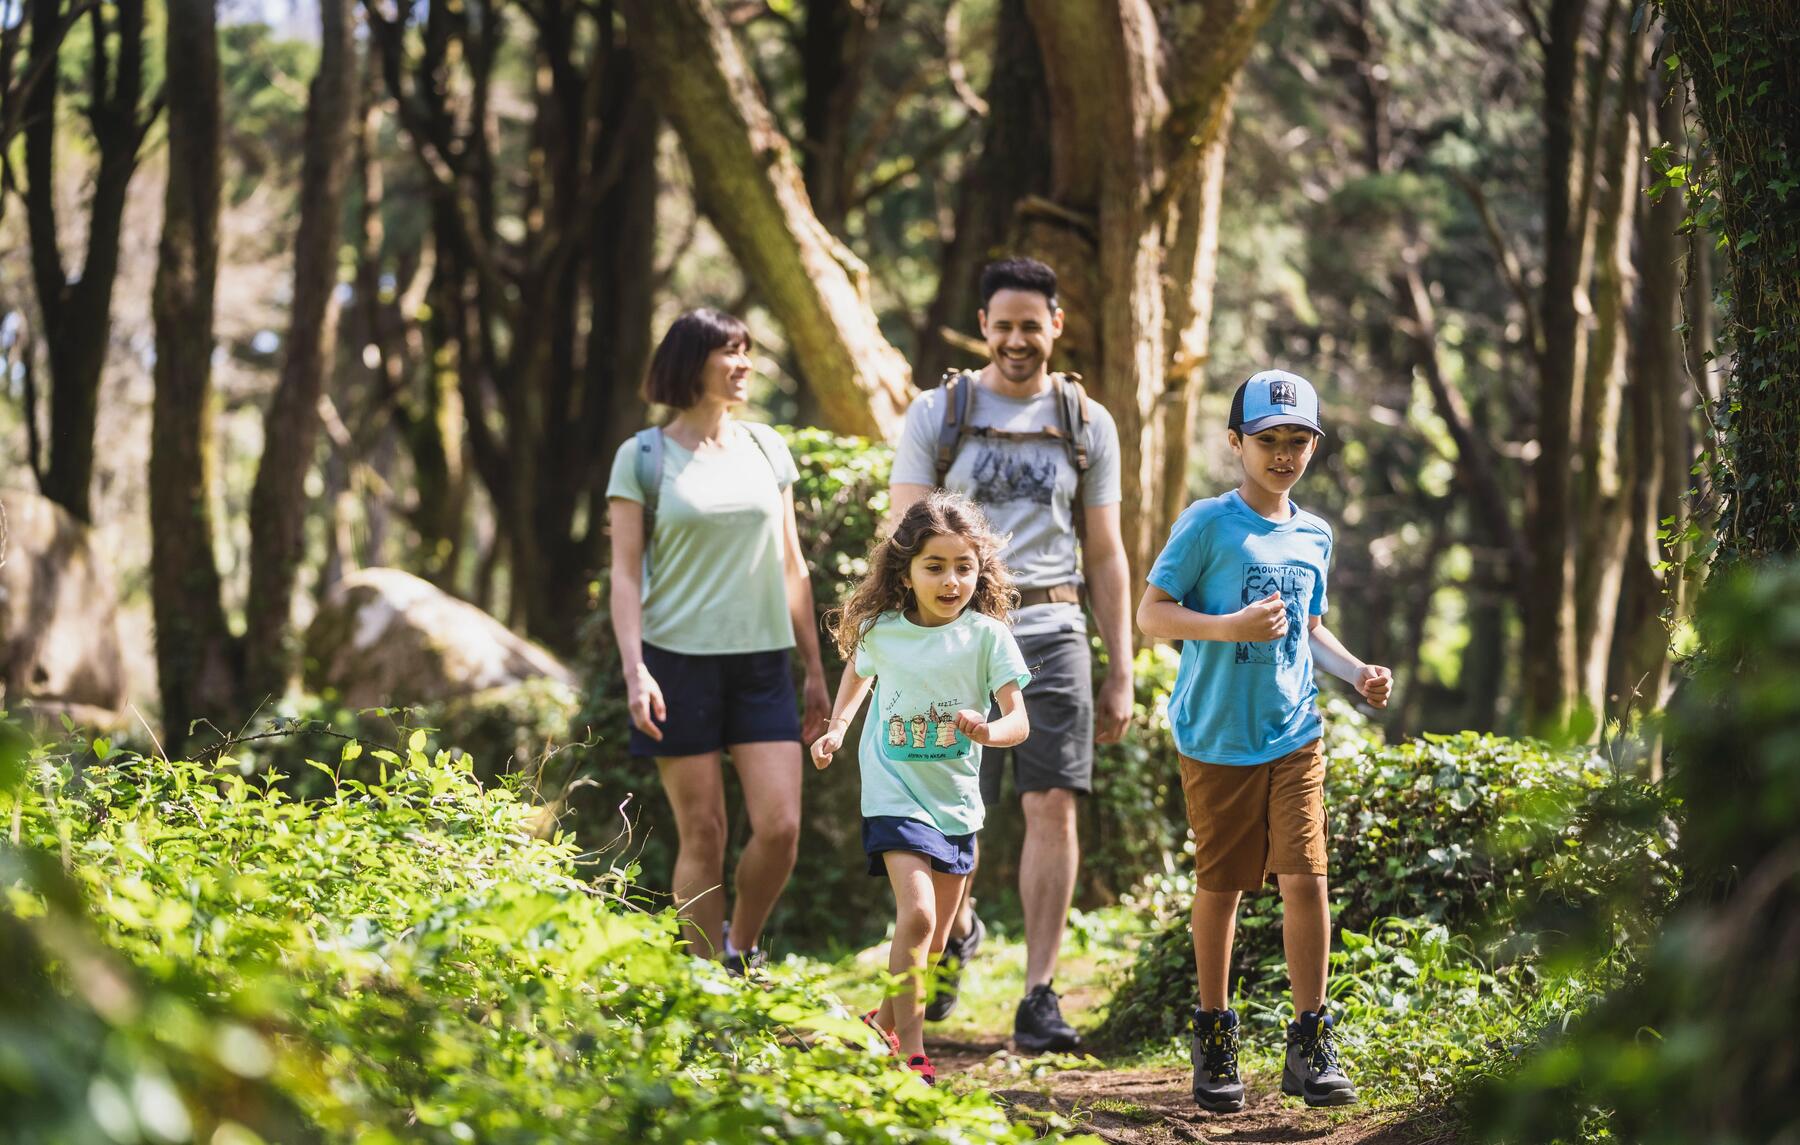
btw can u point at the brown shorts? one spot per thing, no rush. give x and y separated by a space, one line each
1257 820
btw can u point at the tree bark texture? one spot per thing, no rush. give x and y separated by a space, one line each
291 427
1602 492
1744 60
834 43
1550 676
198 662
751 188
77 312
1014 165
1140 101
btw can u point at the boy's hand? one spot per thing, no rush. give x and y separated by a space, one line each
973 724
1376 684
1265 619
826 746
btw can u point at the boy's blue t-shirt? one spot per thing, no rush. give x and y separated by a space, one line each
1245 703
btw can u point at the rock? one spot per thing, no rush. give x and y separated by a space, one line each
59 629
384 637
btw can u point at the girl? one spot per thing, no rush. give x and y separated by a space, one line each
705 639
927 626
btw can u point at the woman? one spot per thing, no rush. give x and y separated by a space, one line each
704 635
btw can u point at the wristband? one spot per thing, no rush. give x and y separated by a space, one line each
845 720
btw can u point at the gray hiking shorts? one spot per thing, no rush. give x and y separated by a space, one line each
1060 702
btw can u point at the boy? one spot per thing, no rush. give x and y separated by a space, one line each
1242 585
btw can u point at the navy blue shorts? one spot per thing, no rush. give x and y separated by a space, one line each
951 854
717 701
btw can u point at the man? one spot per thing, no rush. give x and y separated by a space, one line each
1043 461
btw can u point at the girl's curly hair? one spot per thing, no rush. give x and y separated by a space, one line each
938 514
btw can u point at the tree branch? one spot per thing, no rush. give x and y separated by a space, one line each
1507 263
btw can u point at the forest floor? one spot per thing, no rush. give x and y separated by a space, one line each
1138 1100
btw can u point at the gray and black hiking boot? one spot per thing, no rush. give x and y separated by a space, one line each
1038 1025
945 986
1217 1086
1312 1072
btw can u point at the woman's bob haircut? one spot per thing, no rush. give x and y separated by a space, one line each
675 369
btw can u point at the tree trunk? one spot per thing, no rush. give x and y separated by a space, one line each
750 187
1746 87
290 431
1550 666
1014 165
78 312
1602 491
1140 99
833 57
197 660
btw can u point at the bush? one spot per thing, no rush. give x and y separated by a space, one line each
1450 831
399 960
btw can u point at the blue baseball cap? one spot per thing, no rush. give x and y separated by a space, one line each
1275 397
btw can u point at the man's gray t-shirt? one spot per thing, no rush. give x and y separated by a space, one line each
1026 487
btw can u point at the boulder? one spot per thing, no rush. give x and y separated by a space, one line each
59 627
384 637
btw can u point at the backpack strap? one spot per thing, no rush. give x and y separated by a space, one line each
1077 427
766 439
959 401
648 464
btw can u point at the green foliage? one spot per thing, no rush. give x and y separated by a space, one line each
1699 1045
1739 58
1444 832
399 960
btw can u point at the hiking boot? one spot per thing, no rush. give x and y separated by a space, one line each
1312 1072
957 952
1038 1026
740 963
888 1036
1217 1086
921 1065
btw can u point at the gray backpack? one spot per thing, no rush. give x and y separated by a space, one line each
649 465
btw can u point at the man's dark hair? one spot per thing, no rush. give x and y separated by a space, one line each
1017 274
674 378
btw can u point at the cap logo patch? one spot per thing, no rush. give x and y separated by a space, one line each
1282 394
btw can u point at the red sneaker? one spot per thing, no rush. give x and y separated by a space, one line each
892 1039
921 1065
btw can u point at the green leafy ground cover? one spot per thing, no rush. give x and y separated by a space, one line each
397 960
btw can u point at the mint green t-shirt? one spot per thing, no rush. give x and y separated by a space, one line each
915 763
716 584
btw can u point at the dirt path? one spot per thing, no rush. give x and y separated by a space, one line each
1155 1107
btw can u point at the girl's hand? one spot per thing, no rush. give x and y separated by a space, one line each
644 698
1376 684
827 745
973 724
818 706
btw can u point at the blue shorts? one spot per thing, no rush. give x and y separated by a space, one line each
950 854
715 701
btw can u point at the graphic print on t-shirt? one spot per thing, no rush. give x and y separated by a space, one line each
1019 474
922 737
1295 584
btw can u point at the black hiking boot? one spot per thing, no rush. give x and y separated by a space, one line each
1217 1086
1312 1072
1038 1026
945 986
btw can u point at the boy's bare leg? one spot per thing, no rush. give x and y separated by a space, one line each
1306 936
1215 926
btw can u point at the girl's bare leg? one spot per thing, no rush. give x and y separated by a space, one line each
925 904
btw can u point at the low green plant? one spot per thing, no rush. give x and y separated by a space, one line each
415 965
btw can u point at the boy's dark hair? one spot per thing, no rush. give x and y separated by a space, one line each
674 377
1017 274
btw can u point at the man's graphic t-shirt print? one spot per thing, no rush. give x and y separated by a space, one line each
1295 584
923 737
1019 473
